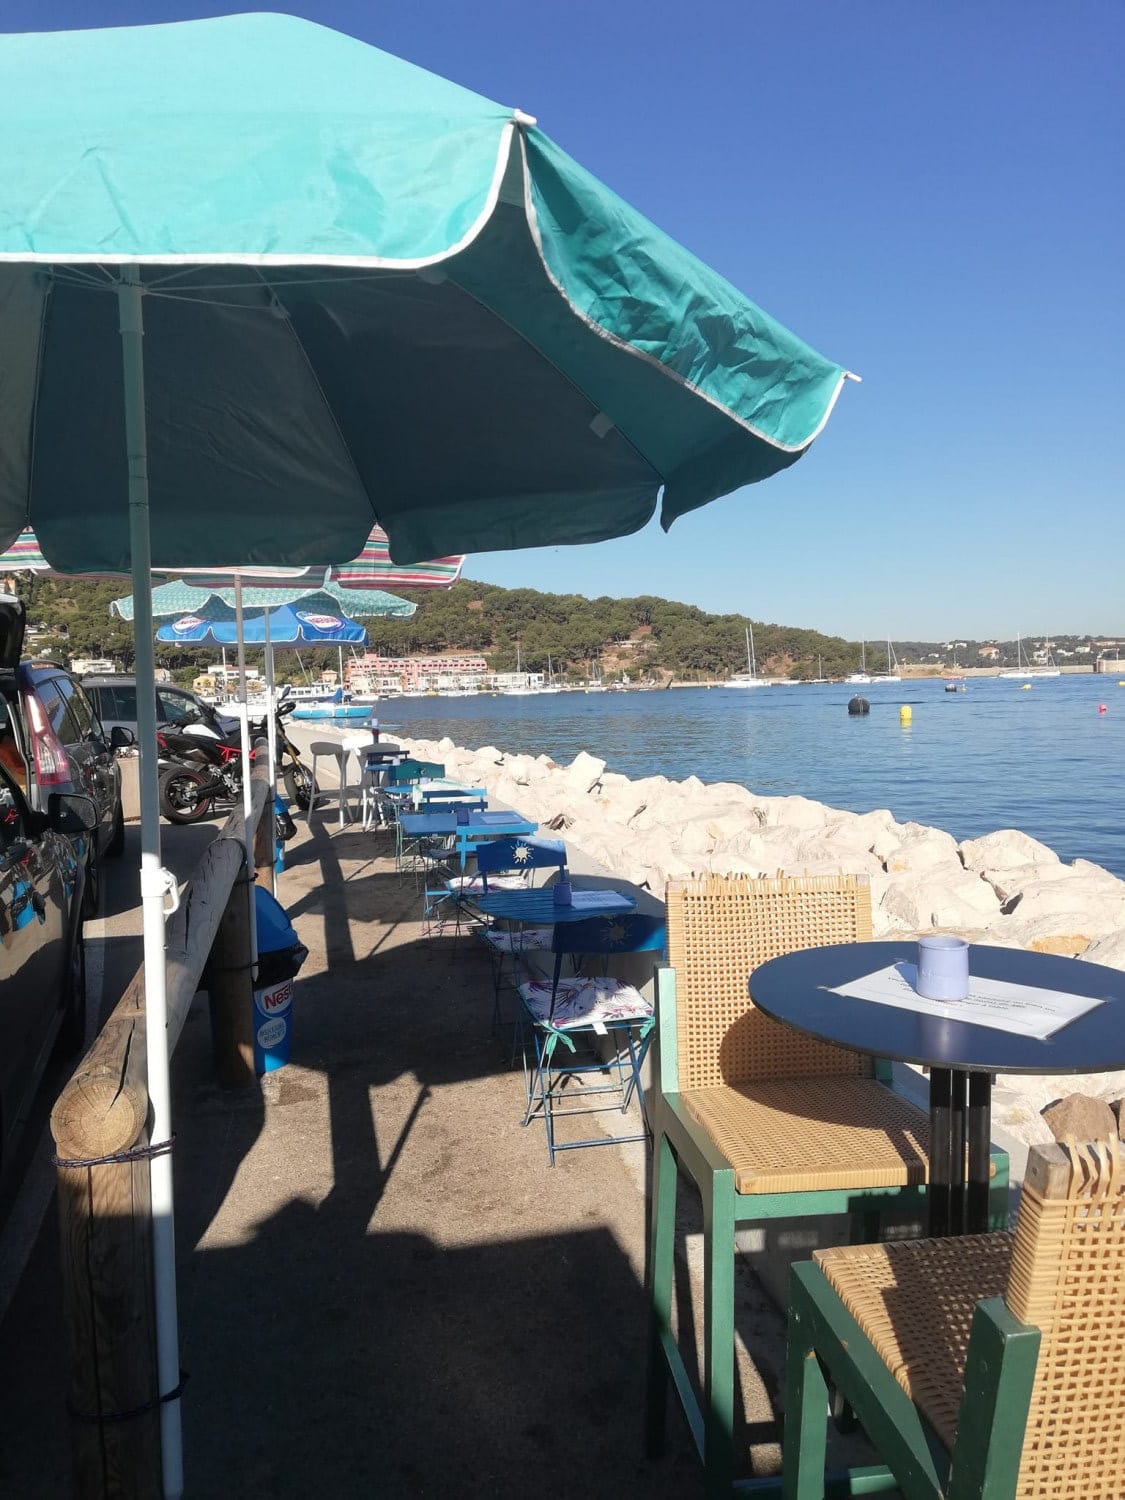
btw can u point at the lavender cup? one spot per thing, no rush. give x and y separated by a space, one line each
943 968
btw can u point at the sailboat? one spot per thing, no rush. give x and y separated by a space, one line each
891 674
749 678
520 685
595 682
820 677
550 686
1023 671
860 676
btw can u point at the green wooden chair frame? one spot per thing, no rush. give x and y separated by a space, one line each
827 1344
681 1144
1024 1399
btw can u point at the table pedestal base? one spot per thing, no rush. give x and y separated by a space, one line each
960 1143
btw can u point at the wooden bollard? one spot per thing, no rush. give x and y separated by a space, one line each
106 1242
230 990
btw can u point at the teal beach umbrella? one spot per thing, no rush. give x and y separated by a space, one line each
368 295
179 596
263 286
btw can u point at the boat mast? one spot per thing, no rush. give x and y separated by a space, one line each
751 663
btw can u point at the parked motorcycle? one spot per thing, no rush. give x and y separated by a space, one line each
201 771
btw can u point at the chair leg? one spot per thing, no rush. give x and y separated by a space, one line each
718 1313
805 1440
662 1251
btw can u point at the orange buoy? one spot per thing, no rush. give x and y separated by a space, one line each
1101 708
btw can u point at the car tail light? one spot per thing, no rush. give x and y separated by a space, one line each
51 765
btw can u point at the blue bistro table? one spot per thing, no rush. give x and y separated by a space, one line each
479 826
797 990
536 906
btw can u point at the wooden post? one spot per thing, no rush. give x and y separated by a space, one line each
105 1219
106 1238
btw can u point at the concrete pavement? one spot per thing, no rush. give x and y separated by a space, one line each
384 1288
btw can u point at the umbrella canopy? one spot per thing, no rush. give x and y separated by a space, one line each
368 294
288 625
215 601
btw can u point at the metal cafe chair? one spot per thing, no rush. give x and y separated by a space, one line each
767 1123
587 1011
502 864
979 1365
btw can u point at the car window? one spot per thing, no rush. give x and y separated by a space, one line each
175 708
58 715
11 760
79 706
90 707
123 699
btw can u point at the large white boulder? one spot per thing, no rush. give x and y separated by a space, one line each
584 771
1108 950
1081 905
794 812
917 902
916 849
1006 849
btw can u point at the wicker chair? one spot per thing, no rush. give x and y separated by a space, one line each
1021 1389
768 1123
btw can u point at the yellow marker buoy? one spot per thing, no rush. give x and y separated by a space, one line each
905 714
1026 688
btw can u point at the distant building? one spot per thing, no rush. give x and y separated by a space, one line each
990 653
385 675
86 666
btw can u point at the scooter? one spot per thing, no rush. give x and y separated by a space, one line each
201 771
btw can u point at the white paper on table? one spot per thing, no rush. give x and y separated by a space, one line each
1022 1009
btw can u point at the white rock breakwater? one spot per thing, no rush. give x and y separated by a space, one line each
1005 888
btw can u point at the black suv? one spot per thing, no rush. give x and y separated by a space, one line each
114 696
51 740
42 960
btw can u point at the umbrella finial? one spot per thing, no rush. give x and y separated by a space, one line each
519 118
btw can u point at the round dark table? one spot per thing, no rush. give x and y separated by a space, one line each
796 990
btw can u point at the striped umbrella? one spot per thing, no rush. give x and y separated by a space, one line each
372 569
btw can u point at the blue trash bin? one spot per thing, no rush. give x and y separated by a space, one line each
280 956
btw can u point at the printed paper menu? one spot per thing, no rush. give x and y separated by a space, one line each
1021 1009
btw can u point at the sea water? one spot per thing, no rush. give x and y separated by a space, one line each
1043 760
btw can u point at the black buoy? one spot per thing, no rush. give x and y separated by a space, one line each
858 705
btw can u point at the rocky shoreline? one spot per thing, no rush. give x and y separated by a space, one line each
1005 888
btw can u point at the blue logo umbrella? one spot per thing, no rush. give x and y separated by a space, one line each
288 625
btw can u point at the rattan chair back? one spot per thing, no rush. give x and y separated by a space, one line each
720 928
1067 1277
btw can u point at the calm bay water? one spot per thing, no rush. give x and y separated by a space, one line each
992 757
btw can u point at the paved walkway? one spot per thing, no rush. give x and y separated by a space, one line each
384 1288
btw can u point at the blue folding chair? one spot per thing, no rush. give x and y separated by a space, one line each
503 864
563 1014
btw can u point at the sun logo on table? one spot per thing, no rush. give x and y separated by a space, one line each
615 932
521 854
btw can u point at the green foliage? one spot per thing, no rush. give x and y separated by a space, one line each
644 636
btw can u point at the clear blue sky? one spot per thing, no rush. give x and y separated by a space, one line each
931 195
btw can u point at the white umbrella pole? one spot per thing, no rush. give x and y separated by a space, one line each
271 733
244 736
156 884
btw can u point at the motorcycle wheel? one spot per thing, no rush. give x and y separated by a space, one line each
179 798
298 786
